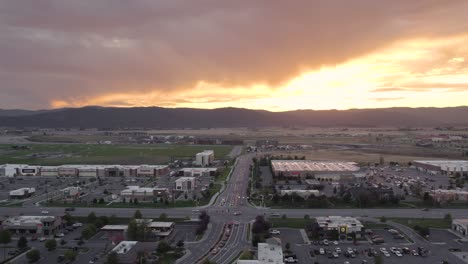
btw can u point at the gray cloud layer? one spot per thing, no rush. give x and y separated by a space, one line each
75 49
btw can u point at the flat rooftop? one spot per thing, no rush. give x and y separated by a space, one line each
26 220
445 163
124 246
310 165
338 221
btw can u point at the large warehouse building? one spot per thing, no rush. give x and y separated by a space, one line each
12 170
444 167
304 168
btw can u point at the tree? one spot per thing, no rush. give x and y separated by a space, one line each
383 219
51 244
33 255
246 254
448 217
207 261
112 258
137 215
70 255
287 247
67 218
180 244
101 201
88 231
378 259
306 217
92 218
132 230
5 238
163 247
163 217
22 243
381 160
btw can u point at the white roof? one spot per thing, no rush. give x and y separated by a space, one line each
24 220
161 224
124 246
337 221
446 164
22 191
310 165
184 179
114 227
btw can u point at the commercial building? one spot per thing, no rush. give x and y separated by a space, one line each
22 193
144 194
204 158
309 168
185 184
344 225
197 172
12 170
303 193
444 167
270 252
443 196
460 226
154 230
32 225
71 194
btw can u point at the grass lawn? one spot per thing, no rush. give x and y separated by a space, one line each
298 223
372 225
423 222
57 154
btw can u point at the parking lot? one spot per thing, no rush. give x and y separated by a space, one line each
364 251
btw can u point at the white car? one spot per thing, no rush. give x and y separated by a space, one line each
386 254
335 242
398 254
77 225
322 251
290 260
44 212
338 250
275 232
237 213
59 235
42 239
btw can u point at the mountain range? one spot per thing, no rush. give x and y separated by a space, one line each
158 117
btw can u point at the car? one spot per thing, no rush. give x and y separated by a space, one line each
77 225
425 209
275 232
70 209
42 239
214 251
237 213
335 255
414 253
325 242
383 250
34 238
59 235
322 251
338 250
335 242
275 214
398 254
290 260
386 254
44 212
195 210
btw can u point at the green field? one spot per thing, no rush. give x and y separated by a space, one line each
298 223
57 154
423 222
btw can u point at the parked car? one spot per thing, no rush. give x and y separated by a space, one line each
59 235
44 212
77 225
275 232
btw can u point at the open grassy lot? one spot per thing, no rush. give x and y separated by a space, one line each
423 222
57 154
298 223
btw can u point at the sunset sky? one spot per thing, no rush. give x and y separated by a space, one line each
272 54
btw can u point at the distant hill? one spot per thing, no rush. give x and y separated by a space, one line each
157 117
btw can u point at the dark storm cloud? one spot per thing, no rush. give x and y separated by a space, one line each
73 50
